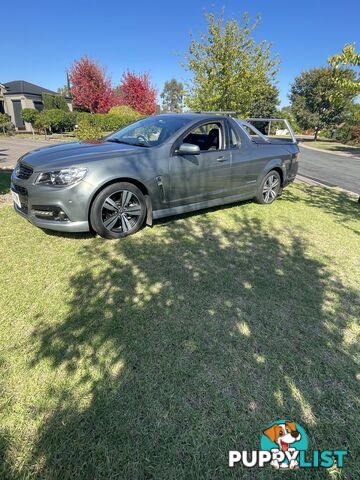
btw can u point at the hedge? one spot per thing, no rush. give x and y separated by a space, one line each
57 121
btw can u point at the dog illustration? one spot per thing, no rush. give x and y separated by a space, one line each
283 434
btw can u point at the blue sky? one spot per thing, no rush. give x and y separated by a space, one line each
40 40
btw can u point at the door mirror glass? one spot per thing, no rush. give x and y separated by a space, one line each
188 149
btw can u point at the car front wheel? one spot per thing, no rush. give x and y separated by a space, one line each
270 188
118 211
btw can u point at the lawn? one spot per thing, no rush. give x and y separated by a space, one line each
332 146
153 356
4 181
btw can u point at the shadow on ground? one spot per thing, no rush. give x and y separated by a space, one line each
335 148
185 342
343 207
5 176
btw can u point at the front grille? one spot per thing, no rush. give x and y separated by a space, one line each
19 190
23 171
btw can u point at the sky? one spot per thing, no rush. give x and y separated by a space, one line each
42 40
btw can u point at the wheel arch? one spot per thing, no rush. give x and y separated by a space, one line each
280 172
137 183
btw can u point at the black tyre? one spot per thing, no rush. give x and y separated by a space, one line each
118 211
270 188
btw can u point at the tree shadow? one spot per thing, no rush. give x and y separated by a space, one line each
5 179
336 148
341 205
183 342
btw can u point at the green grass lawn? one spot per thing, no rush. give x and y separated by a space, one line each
4 181
332 146
153 356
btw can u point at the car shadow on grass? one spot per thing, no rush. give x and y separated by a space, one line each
183 343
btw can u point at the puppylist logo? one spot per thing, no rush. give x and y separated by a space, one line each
284 445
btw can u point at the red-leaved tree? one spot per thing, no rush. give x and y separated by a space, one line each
137 92
90 88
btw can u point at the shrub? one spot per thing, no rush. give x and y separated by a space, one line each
30 115
5 124
52 101
109 122
349 134
125 111
55 120
88 129
117 118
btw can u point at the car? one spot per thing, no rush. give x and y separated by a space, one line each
156 167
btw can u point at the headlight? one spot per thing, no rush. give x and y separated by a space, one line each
60 178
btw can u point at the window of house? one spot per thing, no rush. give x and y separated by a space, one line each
39 106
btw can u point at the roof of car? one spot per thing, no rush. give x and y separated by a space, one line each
192 115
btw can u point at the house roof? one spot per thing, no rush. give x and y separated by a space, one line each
21 86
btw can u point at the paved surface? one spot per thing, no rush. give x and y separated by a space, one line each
330 169
13 148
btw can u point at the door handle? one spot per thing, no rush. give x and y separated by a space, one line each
221 159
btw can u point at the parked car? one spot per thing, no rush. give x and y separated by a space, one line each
159 166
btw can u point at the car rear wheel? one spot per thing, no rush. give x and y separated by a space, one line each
270 188
118 211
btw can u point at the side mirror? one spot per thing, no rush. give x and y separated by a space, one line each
188 149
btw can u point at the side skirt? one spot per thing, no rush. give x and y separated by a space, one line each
192 207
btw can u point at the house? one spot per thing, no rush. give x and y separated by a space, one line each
19 94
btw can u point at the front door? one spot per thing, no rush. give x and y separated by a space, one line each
19 123
205 176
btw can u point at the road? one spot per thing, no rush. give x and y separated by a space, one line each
330 169
12 148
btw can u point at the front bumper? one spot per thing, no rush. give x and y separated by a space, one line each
72 200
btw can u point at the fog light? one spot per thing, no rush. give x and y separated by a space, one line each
43 213
50 213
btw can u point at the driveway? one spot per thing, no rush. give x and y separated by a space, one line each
330 169
12 148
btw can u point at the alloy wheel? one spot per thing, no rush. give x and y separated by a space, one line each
270 189
121 211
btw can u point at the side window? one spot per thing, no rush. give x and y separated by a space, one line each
208 136
234 139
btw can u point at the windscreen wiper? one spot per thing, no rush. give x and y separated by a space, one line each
115 140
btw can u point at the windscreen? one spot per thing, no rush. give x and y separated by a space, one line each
151 131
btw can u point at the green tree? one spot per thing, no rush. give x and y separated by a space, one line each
264 102
64 91
4 121
30 115
287 113
172 96
348 58
313 95
230 71
53 101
